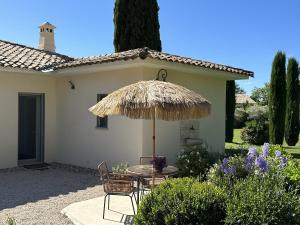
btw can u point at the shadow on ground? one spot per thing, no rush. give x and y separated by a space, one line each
23 186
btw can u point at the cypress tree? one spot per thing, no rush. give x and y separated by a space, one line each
292 106
230 108
277 99
136 25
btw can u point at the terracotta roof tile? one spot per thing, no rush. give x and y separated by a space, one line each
144 53
20 56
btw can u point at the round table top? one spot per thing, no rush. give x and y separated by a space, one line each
148 170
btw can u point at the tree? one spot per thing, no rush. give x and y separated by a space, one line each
239 90
136 25
292 106
277 99
230 108
261 95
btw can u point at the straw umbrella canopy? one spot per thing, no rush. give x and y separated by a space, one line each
153 100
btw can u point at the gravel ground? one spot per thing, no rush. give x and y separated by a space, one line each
36 197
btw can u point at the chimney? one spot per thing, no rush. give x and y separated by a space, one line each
47 37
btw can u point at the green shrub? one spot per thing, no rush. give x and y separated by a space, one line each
257 112
182 201
195 160
242 151
292 173
271 159
262 200
236 170
256 132
240 117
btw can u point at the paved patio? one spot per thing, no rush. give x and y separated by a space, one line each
36 197
90 212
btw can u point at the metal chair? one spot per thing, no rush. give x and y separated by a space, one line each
115 184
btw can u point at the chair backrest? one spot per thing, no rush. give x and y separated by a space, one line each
103 171
144 160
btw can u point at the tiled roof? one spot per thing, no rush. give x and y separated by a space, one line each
148 53
20 56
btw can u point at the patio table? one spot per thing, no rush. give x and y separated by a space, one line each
146 171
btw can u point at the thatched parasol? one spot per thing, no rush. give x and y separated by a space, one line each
243 99
153 100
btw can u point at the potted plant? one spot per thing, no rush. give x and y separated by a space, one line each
159 162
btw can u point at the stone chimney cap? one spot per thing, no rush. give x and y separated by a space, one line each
47 24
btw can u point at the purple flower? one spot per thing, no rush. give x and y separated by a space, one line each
262 164
226 169
249 162
224 166
284 161
278 154
252 152
265 151
232 170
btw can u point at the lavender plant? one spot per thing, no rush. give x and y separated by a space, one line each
257 161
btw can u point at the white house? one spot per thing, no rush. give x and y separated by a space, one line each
45 96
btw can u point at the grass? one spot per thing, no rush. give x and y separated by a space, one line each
238 143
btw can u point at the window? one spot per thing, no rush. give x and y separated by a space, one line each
101 121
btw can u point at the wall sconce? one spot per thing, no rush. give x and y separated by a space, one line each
163 73
72 85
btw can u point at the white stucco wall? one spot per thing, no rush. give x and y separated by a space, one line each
11 84
79 141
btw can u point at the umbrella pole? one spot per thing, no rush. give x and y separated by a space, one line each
153 152
153 132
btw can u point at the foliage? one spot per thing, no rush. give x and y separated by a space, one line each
262 200
182 201
261 95
226 172
136 25
277 99
257 112
292 171
256 187
292 107
240 117
120 168
240 150
239 90
256 129
194 161
271 159
230 108
255 132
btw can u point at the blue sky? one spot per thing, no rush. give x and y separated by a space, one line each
240 33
